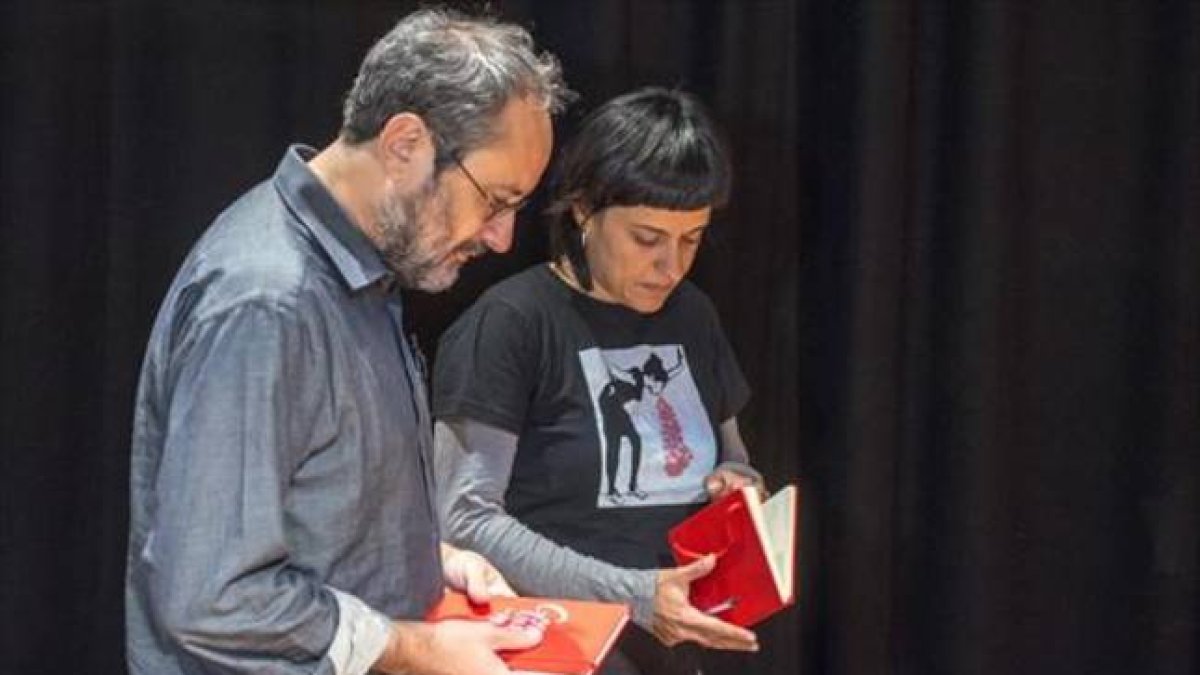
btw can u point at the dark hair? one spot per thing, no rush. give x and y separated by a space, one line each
651 147
455 71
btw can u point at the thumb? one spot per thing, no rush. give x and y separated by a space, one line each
477 585
497 587
695 570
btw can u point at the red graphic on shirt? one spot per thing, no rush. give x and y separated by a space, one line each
678 454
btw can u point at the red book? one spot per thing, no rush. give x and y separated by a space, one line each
755 545
578 633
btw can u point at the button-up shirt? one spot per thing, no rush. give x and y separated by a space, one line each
281 489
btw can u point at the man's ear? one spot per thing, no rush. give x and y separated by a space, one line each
405 142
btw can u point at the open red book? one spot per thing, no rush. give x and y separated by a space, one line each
755 544
579 633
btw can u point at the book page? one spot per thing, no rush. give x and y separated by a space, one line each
779 515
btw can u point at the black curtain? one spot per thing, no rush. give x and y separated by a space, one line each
961 270
1001 341
1003 288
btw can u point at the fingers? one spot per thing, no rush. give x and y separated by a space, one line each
483 584
477 585
716 634
714 484
722 482
741 641
707 631
474 575
512 637
486 583
498 588
692 625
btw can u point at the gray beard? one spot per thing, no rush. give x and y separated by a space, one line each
408 245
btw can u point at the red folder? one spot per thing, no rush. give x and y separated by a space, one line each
755 544
578 633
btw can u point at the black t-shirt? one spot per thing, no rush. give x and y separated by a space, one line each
592 389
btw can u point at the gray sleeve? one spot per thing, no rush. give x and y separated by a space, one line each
734 456
216 567
474 463
362 636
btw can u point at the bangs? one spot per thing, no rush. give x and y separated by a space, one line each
652 148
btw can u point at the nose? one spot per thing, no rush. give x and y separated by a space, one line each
672 261
497 233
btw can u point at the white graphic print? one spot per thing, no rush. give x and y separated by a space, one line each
656 442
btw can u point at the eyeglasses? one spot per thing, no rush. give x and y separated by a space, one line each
496 207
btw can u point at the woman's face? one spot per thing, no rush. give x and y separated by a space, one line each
638 255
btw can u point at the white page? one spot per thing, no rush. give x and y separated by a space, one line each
778 524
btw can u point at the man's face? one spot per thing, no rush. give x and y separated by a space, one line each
428 233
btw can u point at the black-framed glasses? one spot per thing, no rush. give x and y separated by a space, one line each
496 207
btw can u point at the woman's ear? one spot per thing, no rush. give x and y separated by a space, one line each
579 213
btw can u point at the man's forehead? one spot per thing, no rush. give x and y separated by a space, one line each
520 148
523 125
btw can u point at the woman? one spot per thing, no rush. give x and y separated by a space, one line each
587 405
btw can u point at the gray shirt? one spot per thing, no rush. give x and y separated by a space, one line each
281 487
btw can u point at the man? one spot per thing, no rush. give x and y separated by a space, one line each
282 514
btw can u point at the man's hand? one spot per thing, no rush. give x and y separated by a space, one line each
724 481
452 647
472 574
676 620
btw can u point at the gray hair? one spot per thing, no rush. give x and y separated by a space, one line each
456 72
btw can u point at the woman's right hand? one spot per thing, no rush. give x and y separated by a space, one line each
676 620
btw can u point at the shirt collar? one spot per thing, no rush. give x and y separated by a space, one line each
352 253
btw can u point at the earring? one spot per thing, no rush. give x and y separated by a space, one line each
583 238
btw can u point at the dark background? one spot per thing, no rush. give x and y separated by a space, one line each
961 270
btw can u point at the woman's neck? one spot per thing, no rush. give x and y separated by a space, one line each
564 270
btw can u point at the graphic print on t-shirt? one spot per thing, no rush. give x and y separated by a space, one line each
656 443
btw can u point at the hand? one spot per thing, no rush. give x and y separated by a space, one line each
724 481
676 620
452 647
471 573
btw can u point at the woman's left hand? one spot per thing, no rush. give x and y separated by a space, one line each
676 620
471 573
